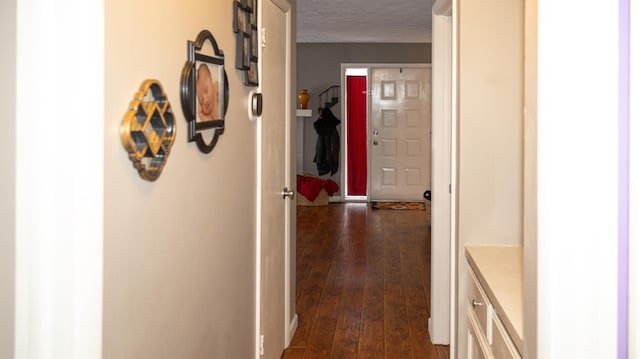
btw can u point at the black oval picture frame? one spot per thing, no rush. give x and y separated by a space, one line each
204 91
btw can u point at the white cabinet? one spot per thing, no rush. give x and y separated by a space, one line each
487 335
479 306
503 346
477 346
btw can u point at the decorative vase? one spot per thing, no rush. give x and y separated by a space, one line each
303 98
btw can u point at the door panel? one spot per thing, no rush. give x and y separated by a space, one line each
274 209
400 133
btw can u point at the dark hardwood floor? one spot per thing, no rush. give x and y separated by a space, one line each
362 286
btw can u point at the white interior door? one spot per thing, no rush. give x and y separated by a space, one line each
399 133
275 164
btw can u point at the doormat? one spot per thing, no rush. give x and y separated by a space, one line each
416 206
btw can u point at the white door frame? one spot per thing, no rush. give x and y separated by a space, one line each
453 324
353 70
440 319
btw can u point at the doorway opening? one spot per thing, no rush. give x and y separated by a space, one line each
355 134
387 142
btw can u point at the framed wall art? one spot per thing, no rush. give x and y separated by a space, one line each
148 130
204 91
245 25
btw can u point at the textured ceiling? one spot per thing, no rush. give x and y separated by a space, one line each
364 21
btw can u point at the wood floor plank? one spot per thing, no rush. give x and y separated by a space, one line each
310 290
346 339
371 343
320 341
321 337
362 284
396 331
415 292
311 283
443 351
293 353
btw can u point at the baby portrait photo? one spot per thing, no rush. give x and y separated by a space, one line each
208 88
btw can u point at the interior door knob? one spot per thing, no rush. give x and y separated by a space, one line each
286 193
375 132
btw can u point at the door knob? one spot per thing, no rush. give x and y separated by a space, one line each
286 193
375 132
375 142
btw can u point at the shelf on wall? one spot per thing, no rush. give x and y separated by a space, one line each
303 112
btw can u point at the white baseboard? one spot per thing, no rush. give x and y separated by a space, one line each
293 326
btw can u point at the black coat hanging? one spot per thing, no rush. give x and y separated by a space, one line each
327 156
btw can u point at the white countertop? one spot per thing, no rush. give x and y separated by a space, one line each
500 272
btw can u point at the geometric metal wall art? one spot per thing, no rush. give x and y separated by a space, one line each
148 130
204 91
245 25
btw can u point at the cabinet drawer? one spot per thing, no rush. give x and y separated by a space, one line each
478 348
480 305
502 347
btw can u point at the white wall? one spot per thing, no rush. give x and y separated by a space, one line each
7 179
490 167
577 158
179 252
58 183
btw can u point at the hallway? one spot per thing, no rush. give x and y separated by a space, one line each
362 284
